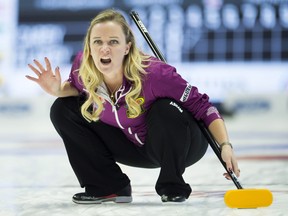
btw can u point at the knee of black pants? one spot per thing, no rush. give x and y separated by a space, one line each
56 110
168 121
62 108
167 128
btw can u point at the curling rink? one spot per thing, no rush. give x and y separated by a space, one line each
36 178
246 42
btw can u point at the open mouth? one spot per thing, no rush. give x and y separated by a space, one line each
105 61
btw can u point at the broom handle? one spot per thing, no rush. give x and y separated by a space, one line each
134 15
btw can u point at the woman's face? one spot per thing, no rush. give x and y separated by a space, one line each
108 48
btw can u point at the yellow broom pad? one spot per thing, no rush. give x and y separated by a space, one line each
248 198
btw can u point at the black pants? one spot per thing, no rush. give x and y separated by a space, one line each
173 143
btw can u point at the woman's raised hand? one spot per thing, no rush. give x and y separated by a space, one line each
46 78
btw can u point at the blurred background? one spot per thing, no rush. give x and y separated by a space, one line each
235 51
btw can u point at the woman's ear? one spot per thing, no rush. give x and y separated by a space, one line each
127 48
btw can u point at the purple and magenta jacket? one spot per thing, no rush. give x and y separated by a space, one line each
161 81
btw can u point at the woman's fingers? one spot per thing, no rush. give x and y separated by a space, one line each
231 162
34 70
48 65
236 171
41 70
227 176
57 73
31 78
229 165
39 65
235 167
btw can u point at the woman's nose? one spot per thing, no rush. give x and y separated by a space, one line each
105 49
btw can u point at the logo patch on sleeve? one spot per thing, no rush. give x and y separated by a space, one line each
212 110
186 93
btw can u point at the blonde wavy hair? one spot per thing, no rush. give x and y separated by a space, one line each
134 69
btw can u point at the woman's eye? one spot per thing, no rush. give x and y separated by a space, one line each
114 42
97 42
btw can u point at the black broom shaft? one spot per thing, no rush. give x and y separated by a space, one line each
134 15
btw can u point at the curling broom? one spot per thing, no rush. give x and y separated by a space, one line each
240 198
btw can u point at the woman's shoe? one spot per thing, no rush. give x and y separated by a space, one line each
123 196
172 198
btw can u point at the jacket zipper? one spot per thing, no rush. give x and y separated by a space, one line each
114 106
114 110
